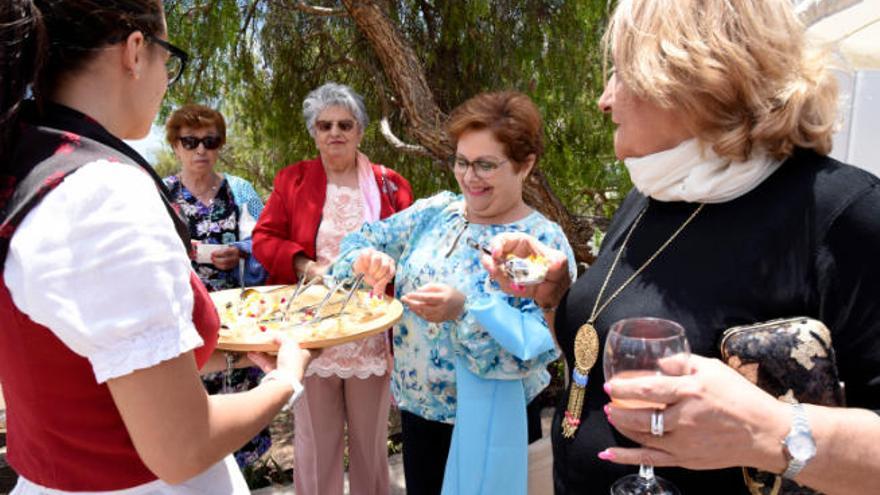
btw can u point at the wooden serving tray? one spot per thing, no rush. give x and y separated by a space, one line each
264 341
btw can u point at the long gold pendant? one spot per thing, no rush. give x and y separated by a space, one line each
586 351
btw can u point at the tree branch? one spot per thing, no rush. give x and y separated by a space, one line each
247 21
405 74
315 10
396 143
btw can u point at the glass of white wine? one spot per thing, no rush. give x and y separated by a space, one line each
637 347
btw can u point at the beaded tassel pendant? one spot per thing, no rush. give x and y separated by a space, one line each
586 351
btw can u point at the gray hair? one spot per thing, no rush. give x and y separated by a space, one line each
330 95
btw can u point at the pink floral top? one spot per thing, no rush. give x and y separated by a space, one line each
344 213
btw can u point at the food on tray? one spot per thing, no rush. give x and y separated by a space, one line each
260 316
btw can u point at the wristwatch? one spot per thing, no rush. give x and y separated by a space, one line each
289 379
798 446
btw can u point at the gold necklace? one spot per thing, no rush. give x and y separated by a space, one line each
586 342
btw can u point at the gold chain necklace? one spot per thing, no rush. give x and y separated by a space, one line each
586 342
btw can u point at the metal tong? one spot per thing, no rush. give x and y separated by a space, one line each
301 287
317 307
519 270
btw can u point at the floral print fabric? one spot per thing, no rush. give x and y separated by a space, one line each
217 223
213 223
343 214
430 242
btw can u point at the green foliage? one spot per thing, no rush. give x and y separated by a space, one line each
166 163
256 61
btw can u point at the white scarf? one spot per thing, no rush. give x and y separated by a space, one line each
696 175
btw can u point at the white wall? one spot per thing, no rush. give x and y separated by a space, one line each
858 141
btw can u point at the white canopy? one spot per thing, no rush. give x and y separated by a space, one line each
851 27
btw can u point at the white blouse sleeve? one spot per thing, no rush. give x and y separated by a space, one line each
100 264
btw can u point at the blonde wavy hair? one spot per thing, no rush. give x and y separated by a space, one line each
740 70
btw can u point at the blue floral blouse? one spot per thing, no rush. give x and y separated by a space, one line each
429 241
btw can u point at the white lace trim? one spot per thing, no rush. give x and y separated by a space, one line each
361 373
144 351
361 358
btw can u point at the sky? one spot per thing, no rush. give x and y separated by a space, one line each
150 145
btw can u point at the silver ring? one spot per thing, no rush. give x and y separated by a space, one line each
657 423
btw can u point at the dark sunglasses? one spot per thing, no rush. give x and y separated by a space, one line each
326 125
192 142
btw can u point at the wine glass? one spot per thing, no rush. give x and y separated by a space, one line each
636 347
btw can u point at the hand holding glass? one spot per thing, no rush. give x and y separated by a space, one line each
637 347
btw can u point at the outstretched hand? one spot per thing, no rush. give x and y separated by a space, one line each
378 269
546 294
291 357
435 302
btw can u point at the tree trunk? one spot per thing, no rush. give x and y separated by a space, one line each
425 121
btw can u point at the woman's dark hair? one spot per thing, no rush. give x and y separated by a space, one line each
42 40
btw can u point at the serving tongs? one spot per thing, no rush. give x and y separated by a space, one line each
519 270
315 309
301 287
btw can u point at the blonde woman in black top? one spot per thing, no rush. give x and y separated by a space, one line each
724 120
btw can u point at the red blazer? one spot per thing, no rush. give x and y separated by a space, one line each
290 220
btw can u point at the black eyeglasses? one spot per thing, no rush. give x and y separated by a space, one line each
483 168
176 63
326 125
192 142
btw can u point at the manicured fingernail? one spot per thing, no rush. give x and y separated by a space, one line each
607 455
607 388
607 410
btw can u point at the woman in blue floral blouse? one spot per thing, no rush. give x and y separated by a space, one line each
433 251
221 210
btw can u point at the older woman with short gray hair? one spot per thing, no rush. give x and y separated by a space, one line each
332 94
313 205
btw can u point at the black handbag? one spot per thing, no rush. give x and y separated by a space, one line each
793 360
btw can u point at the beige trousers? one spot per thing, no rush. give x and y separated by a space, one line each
320 416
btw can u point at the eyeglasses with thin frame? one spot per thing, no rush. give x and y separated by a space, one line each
483 167
326 125
192 142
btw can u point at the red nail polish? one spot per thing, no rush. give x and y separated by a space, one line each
607 388
607 455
